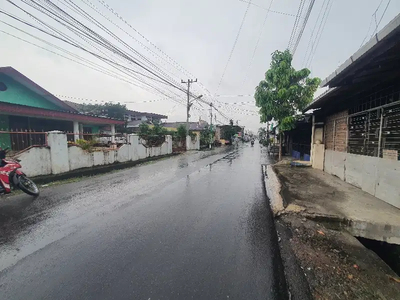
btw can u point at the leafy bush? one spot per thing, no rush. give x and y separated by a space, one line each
154 140
144 129
192 135
181 132
86 145
207 136
154 136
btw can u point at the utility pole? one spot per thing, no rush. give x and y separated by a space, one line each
211 128
189 81
211 114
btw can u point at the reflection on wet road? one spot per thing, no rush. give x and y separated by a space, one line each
196 226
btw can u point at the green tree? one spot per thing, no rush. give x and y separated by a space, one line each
262 133
115 110
158 129
228 131
144 129
207 136
108 109
284 92
181 132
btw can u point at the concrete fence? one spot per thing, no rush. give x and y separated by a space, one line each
376 176
58 157
193 144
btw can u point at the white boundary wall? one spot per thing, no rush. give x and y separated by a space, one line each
58 157
192 145
376 176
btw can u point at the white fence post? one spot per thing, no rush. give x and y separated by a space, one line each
76 131
133 141
188 143
168 139
57 141
113 133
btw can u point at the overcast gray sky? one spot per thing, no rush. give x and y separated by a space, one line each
199 35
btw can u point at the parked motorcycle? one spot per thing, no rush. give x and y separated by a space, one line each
11 177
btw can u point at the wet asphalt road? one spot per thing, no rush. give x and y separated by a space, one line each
195 226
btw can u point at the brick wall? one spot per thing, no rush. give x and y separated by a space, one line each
336 140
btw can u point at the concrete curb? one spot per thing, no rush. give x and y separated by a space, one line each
273 188
279 198
357 228
96 170
296 282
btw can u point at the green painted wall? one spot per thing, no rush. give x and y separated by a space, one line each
16 93
5 141
95 129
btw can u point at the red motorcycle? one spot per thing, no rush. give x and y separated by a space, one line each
11 177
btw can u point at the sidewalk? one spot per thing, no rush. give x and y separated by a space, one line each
317 220
317 195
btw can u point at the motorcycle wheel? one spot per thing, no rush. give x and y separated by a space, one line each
28 186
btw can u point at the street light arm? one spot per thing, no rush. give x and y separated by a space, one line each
197 98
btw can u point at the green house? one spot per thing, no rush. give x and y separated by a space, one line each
27 111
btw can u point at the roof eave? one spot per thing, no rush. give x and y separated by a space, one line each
28 83
386 32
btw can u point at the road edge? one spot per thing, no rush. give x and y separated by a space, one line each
295 279
280 279
273 188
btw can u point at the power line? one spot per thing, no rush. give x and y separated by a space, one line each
310 7
77 46
258 41
312 32
234 44
272 11
373 16
170 60
104 101
141 35
240 103
76 61
240 110
81 30
296 22
243 95
109 45
380 20
319 32
108 56
67 57
175 64
120 40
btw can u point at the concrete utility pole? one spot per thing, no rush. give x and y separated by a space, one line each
211 115
189 81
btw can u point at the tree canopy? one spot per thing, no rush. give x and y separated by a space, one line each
262 133
284 92
108 109
181 132
207 135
